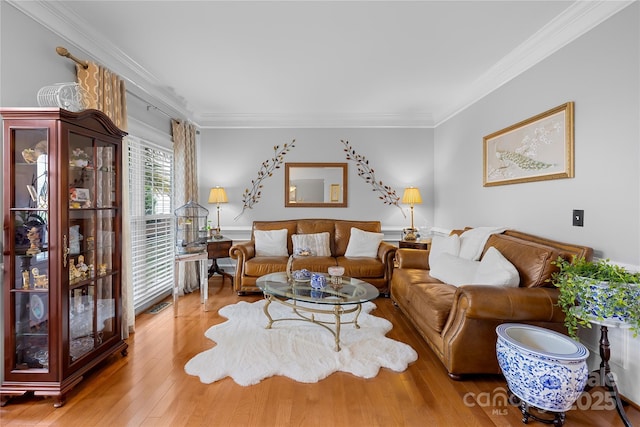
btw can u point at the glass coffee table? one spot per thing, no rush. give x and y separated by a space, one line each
334 299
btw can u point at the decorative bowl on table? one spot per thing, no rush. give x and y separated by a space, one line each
336 273
303 275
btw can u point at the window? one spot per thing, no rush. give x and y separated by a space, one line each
152 221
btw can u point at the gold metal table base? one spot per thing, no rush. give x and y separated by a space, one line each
301 311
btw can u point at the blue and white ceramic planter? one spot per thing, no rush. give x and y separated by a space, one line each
542 367
593 299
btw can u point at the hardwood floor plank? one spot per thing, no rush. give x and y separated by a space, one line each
149 387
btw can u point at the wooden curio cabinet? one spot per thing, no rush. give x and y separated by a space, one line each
62 248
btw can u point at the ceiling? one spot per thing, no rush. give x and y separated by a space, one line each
317 63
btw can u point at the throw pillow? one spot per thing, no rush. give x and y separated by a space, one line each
271 242
454 270
472 241
495 269
316 244
443 244
363 243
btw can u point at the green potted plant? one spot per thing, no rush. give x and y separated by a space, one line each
599 290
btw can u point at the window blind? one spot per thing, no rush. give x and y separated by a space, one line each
152 221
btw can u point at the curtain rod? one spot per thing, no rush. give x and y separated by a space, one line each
84 64
64 52
150 106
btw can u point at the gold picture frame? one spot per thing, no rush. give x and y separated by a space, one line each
536 149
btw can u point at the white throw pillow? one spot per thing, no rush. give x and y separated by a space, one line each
443 244
363 243
454 270
472 241
495 269
271 242
317 244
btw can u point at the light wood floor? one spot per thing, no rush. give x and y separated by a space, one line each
150 388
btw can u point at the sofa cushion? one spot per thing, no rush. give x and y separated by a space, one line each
271 242
433 301
444 244
259 266
531 259
495 269
363 243
453 270
314 263
361 267
316 243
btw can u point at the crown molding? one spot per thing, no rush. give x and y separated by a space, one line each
319 120
575 21
64 22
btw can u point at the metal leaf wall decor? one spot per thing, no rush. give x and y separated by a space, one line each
366 172
252 195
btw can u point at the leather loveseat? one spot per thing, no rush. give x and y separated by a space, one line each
375 270
459 322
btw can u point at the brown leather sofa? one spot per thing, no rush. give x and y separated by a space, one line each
459 323
376 271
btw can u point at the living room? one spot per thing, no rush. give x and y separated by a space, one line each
598 71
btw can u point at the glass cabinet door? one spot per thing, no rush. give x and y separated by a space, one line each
28 223
92 244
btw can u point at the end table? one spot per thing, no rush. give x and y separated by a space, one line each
219 248
415 244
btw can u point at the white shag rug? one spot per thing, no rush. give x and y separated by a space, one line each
248 352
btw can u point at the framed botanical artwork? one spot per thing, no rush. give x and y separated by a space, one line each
539 148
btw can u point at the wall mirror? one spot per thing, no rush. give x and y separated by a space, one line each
317 185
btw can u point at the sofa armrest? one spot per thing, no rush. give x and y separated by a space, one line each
386 254
476 312
512 304
413 258
242 252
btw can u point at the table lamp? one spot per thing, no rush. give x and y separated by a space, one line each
217 195
411 197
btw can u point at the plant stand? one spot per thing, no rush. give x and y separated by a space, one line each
557 420
603 376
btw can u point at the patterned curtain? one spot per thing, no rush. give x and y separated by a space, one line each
186 185
106 92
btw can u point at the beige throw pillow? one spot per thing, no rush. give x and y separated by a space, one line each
316 244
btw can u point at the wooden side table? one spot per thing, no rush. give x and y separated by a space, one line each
415 244
219 248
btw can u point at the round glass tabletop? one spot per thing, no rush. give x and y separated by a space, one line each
350 291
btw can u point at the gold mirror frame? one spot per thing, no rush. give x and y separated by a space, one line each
333 186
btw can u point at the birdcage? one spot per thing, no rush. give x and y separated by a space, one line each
191 228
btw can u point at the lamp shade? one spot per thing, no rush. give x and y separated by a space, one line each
411 196
218 195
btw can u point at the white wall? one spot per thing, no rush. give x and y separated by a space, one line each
600 72
231 158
